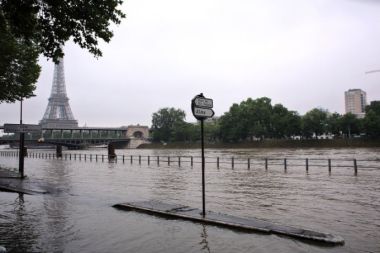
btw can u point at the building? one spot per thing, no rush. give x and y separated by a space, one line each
355 102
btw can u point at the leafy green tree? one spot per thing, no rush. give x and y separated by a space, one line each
314 123
350 124
166 124
334 125
371 122
29 28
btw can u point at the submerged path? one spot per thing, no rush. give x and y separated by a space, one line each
218 219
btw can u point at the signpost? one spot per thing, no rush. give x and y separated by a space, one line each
202 109
22 129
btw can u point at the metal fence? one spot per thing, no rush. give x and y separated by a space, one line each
217 162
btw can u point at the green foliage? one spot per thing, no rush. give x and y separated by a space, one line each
18 67
258 119
29 28
314 123
169 124
371 122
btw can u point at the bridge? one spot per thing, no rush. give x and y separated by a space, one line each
81 137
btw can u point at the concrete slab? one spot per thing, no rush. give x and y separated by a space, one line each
212 218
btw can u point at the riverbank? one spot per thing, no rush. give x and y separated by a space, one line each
339 143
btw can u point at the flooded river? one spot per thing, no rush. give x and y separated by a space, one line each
78 215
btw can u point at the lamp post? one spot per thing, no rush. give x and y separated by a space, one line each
21 152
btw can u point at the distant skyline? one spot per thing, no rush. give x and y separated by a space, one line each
302 54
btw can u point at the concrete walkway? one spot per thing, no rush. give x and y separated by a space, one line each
218 219
12 182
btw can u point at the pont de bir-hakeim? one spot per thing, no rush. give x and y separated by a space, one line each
58 112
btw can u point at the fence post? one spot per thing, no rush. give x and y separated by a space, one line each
168 160
217 162
139 159
191 161
233 162
85 157
266 163
96 158
148 160
90 157
179 161
249 163
102 158
285 164
329 163
307 164
355 167
131 159
158 160
123 158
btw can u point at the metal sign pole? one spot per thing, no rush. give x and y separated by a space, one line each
203 171
202 109
21 148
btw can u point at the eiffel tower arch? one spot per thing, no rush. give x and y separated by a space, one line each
58 112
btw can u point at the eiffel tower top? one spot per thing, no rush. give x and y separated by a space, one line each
58 112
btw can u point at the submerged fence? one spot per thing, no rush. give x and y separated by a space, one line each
218 162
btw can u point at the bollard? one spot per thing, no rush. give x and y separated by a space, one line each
191 161
285 164
169 160
232 162
249 163
158 160
131 159
266 163
58 150
139 159
148 160
111 151
217 162
329 164
179 161
355 167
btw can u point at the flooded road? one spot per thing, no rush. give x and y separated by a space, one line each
78 215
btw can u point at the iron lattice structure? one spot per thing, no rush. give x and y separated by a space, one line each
58 112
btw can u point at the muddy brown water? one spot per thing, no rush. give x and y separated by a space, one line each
78 215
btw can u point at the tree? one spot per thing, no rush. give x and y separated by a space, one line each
371 120
349 124
29 28
166 123
334 125
314 123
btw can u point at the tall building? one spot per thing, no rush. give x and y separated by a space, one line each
58 112
356 101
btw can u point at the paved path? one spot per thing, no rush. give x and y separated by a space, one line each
218 219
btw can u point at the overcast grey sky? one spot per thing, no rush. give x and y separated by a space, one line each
302 54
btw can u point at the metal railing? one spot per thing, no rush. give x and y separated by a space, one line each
217 162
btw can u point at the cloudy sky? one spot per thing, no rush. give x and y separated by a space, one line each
302 54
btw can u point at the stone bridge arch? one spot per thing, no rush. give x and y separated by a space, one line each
137 132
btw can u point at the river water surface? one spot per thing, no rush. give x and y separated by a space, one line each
78 215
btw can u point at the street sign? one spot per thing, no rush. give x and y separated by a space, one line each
24 128
202 107
202 112
203 102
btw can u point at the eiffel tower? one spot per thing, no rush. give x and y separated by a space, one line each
58 112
